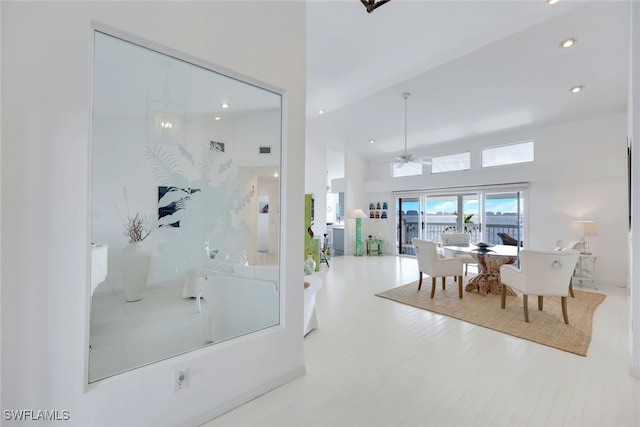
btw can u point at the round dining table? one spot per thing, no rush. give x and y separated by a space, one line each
489 261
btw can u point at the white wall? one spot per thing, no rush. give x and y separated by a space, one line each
634 236
316 178
254 131
593 147
338 185
270 187
46 63
354 197
384 229
579 172
1 204
553 205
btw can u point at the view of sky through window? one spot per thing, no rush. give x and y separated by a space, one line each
502 205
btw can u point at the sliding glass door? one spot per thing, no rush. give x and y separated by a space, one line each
494 217
452 214
427 217
442 216
470 221
409 223
504 218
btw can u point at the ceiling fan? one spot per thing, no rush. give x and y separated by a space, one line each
406 158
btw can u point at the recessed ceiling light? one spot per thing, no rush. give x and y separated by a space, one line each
216 118
371 141
568 43
224 105
320 111
552 1
576 89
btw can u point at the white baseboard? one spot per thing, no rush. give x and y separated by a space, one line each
240 400
598 284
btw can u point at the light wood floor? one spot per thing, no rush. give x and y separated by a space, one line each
375 362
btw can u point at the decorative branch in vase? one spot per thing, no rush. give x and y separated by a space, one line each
134 229
135 259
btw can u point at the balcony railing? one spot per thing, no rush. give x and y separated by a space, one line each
435 229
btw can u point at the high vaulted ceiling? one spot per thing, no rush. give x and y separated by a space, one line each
473 68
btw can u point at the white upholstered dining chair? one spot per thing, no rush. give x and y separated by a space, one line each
541 273
431 263
458 239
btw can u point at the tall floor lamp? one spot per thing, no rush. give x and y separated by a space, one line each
358 214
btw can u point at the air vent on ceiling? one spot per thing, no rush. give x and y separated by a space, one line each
265 150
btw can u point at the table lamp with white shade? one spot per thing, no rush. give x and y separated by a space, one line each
358 214
587 229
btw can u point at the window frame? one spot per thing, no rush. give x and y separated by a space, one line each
393 170
513 144
468 159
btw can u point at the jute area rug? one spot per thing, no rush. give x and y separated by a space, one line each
546 327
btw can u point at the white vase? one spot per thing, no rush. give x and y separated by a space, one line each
135 260
309 265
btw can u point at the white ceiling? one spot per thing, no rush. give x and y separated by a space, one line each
128 76
472 67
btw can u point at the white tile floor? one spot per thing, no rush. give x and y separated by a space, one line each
374 362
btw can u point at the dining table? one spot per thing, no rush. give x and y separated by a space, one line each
490 258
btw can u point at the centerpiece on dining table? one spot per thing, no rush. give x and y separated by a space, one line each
482 247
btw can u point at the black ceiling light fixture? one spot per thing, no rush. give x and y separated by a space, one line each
371 5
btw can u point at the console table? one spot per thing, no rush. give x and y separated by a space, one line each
585 270
375 247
